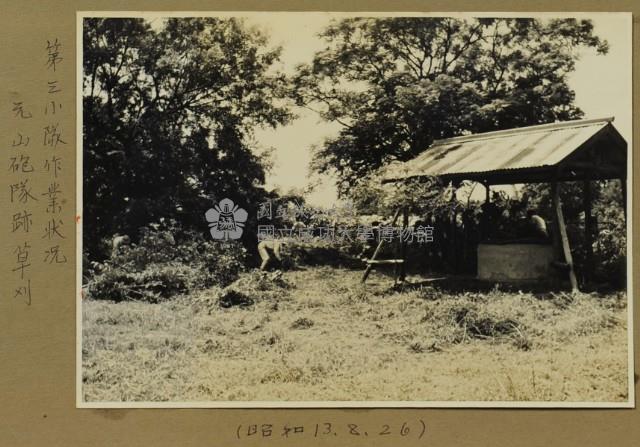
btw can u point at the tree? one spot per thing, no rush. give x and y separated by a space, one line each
397 84
168 118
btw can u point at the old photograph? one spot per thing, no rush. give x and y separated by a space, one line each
322 209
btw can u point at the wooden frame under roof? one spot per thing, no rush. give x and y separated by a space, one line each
581 150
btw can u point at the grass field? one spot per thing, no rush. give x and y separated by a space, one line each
317 334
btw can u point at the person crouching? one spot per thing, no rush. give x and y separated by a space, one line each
271 251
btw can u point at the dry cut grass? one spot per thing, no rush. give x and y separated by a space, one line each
330 338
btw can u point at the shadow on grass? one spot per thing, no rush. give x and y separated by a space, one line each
455 285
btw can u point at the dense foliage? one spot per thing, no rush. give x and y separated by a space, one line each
170 108
397 84
165 262
168 118
609 236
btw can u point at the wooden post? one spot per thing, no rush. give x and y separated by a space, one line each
377 250
588 231
403 244
485 214
453 249
562 235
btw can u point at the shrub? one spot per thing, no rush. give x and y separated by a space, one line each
160 266
610 244
153 284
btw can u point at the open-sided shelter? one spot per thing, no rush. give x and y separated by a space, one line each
581 150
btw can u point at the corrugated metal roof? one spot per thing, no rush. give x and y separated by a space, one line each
520 148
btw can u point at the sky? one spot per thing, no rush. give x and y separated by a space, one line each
602 84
